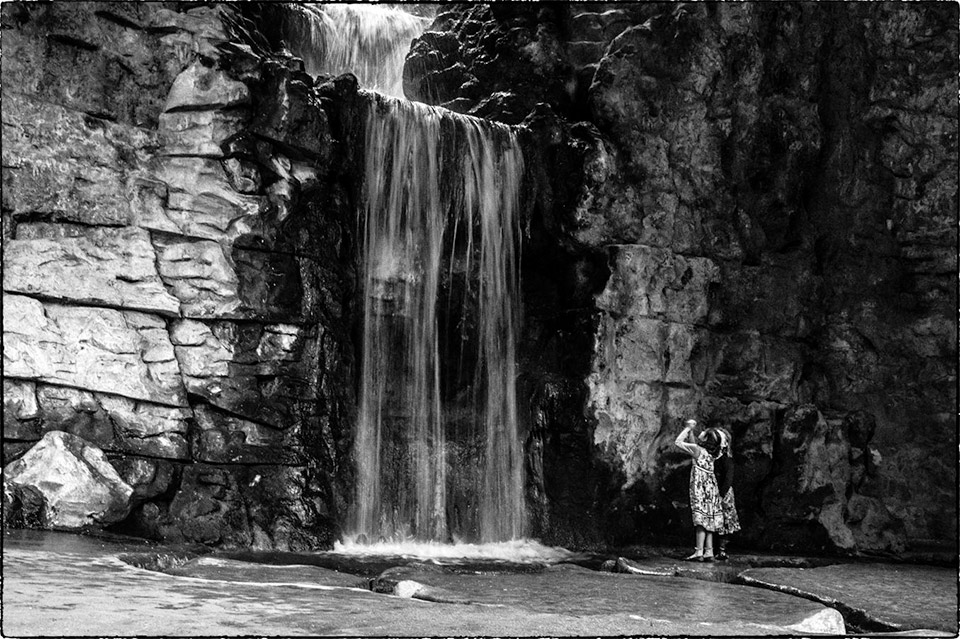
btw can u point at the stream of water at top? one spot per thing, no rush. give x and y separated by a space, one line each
438 449
368 40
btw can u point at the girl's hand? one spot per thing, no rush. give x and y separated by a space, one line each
682 442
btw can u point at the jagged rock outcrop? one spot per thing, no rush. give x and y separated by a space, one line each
176 285
79 486
749 207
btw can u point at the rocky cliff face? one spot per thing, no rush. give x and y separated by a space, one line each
752 210
176 280
744 212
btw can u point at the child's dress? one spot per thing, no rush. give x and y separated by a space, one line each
723 467
704 493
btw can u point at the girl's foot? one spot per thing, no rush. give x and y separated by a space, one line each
697 556
707 555
721 556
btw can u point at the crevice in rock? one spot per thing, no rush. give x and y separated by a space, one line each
44 217
201 400
116 18
72 41
171 290
66 107
856 620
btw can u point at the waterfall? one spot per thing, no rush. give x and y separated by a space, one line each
438 448
440 237
369 41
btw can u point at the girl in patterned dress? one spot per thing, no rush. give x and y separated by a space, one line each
704 493
723 469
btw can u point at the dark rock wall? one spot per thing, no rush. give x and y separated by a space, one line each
177 268
752 209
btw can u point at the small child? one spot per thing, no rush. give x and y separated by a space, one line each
704 492
723 468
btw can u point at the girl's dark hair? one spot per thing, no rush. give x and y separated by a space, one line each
711 442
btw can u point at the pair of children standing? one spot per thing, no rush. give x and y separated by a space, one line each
711 489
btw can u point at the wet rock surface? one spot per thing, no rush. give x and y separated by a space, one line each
214 568
873 596
601 594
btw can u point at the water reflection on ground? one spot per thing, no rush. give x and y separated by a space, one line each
62 584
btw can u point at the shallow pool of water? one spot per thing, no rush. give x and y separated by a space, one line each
63 584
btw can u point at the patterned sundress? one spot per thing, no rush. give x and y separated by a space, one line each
728 507
704 493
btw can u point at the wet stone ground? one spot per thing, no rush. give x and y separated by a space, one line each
62 584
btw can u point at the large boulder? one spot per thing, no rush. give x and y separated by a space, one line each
79 485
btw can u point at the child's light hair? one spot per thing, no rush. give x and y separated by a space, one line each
690 422
726 439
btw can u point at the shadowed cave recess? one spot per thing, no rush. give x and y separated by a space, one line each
472 298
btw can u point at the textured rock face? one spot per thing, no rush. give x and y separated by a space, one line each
175 276
123 352
750 208
102 267
79 486
744 212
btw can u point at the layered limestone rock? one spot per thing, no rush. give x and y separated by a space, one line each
127 353
174 267
105 266
809 158
113 423
66 165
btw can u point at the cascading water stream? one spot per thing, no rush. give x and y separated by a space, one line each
369 41
438 448
401 480
441 212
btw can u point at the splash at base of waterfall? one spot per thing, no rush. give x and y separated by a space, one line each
514 551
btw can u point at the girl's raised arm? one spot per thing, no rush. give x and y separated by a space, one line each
682 443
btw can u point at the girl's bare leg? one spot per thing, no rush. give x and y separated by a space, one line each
700 536
708 544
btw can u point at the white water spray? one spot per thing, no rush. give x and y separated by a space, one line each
367 40
514 551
